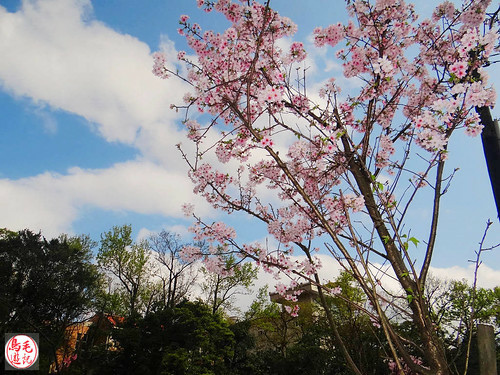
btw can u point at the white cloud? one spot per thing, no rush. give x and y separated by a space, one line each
50 202
181 230
56 55
26 205
47 120
144 234
488 277
53 53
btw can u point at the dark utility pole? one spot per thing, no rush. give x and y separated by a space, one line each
491 146
491 133
486 349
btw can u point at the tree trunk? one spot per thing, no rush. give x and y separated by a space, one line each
433 349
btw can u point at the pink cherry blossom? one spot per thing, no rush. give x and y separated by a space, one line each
293 311
459 69
336 291
417 85
297 52
190 253
267 142
383 66
159 69
187 209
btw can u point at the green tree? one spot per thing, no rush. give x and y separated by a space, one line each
221 288
128 263
305 344
45 285
242 361
276 330
456 309
187 339
353 315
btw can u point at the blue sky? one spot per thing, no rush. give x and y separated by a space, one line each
87 137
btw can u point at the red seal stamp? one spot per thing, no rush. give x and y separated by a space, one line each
21 351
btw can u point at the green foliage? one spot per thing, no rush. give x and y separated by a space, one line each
261 307
204 336
128 262
455 309
244 353
187 339
221 289
45 285
275 328
365 342
305 345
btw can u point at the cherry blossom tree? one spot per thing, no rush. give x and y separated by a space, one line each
331 171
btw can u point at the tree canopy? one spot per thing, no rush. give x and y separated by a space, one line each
45 286
342 170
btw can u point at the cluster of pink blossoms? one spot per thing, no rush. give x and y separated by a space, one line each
190 253
281 289
335 291
308 267
293 311
446 9
301 102
217 232
428 73
193 129
330 35
159 69
267 142
187 209
383 66
356 203
386 148
226 55
297 53
290 293
272 96
205 177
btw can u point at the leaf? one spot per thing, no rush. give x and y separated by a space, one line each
409 296
414 241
